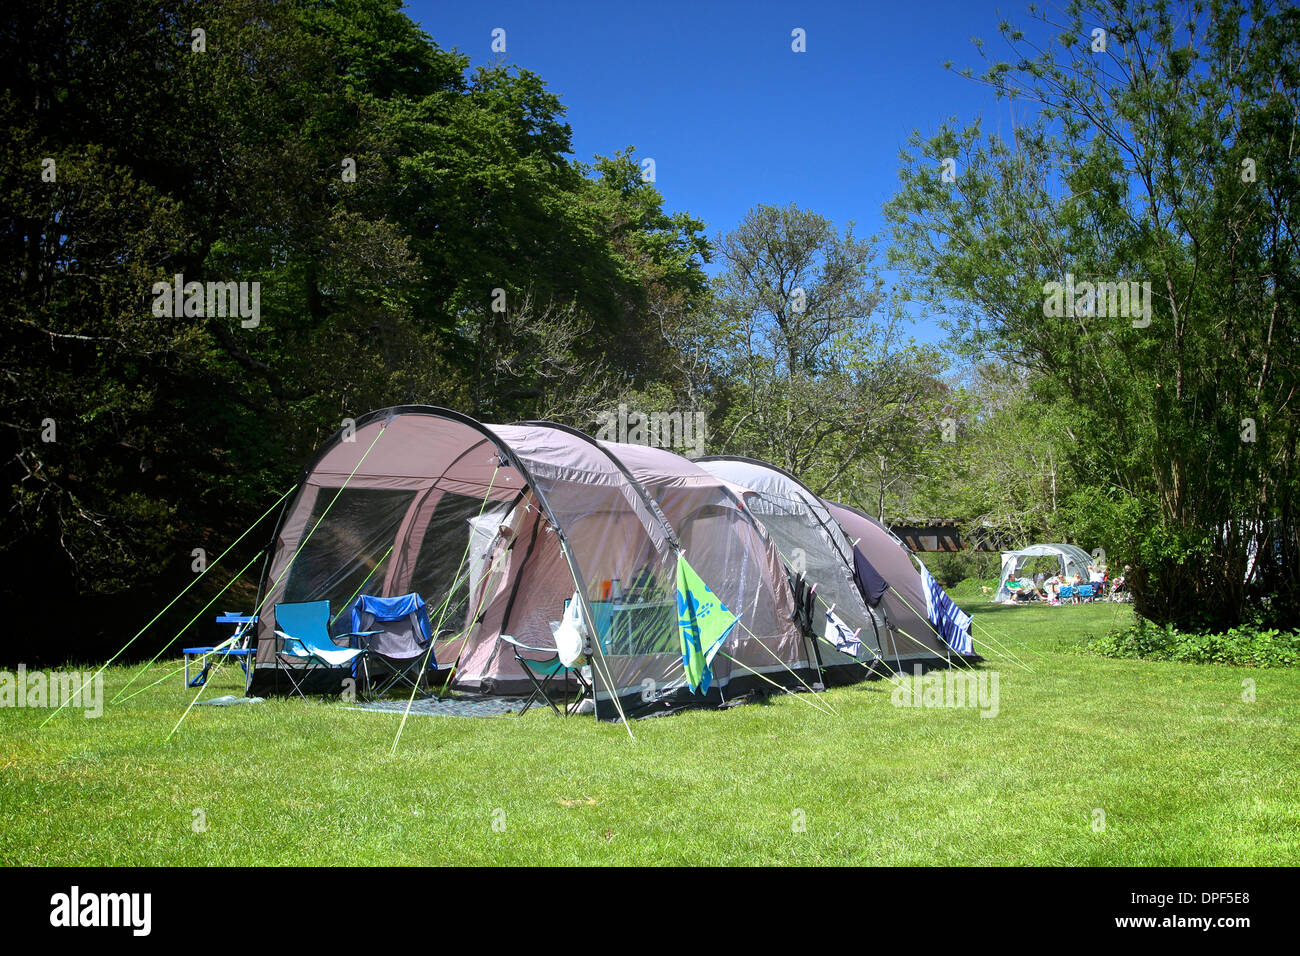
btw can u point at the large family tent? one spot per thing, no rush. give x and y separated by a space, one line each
920 618
813 544
499 527
1069 560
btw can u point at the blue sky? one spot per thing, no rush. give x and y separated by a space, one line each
730 114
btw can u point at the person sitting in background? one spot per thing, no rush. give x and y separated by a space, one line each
1028 591
1052 588
1117 589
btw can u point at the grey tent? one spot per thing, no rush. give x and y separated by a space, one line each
813 545
909 609
829 542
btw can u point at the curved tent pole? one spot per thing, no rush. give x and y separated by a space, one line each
848 561
846 558
665 525
563 538
884 613
766 537
785 474
649 501
387 415
423 497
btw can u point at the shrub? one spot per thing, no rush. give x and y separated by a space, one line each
951 568
1244 646
972 589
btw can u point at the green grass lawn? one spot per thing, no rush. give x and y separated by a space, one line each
1184 769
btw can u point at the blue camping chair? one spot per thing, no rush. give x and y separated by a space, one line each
399 638
1086 592
1066 592
304 630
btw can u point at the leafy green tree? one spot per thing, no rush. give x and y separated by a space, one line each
1005 471
375 188
815 375
1161 152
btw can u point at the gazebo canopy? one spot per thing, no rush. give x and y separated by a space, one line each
1071 558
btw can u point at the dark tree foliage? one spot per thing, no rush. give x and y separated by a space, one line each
129 439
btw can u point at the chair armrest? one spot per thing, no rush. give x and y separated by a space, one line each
554 652
287 638
364 635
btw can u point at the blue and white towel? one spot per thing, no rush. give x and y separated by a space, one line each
952 623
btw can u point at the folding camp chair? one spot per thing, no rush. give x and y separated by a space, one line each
399 638
304 630
547 666
1085 592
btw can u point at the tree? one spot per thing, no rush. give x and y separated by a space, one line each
1005 474
377 191
792 284
1163 154
816 377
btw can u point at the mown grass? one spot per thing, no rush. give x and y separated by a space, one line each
1185 770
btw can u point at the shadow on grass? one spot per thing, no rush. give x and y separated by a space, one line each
989 607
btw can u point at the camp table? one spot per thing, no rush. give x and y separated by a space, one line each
240 652
241 622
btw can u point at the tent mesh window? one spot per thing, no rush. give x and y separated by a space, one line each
345 551
443 563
